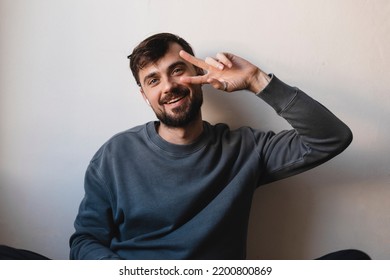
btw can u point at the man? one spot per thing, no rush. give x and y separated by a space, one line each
181 188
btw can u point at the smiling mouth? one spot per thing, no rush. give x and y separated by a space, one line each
175 100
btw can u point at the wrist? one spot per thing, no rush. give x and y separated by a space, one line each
259 81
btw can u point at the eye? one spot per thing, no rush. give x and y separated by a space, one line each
177 71
152 81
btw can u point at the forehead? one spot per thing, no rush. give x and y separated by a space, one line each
171 56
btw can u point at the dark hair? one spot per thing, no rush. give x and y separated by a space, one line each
152 49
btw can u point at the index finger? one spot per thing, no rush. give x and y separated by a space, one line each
193 60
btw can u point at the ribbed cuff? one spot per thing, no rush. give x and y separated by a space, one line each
277 94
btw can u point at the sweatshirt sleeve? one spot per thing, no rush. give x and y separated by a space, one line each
316 137
93 223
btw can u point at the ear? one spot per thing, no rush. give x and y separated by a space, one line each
144 96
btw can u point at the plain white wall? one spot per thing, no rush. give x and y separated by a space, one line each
65 88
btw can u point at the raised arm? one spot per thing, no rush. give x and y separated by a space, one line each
317 134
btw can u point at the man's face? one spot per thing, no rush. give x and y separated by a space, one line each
175 104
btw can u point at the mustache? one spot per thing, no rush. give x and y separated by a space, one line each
175 92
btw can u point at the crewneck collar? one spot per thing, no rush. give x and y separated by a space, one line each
173 149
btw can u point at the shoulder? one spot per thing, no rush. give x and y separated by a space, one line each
121 141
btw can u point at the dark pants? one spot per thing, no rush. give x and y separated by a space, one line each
9 253
346 255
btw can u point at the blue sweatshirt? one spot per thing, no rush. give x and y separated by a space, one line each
146 198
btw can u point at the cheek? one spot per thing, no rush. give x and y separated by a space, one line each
151 95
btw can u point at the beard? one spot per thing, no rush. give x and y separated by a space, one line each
185 113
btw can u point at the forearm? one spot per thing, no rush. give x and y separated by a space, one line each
312 120
86 248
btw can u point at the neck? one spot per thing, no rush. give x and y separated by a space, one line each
181 135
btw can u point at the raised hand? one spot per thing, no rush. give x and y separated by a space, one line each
227 72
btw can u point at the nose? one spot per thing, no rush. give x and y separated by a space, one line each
169 83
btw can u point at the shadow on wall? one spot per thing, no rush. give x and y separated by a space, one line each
282 219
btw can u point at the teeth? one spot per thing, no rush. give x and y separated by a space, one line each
174 100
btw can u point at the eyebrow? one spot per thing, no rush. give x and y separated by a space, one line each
175 64
170 68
